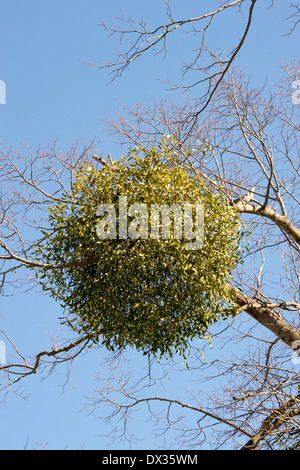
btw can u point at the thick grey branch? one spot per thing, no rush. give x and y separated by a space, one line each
282 221
267 317
273 422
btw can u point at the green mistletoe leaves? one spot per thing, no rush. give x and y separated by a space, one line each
151 293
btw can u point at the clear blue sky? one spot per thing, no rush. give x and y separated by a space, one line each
51 93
